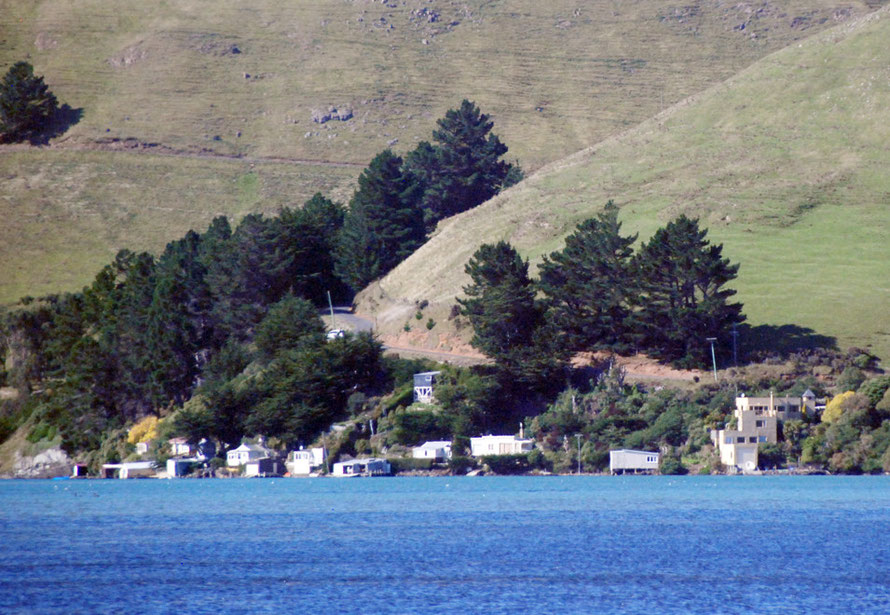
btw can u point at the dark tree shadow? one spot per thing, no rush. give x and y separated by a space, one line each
64 118
780 340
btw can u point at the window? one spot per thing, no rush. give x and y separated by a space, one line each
752 439
758 423
740 439
728 440
761 438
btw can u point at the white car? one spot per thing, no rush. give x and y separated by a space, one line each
336 333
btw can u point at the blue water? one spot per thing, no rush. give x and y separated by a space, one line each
434 545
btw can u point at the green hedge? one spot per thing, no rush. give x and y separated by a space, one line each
507 464
461 465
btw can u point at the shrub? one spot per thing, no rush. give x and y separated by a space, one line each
875 389
26 104
507 464
835 408
461 465
770 456
671 466
537 460
362 446
400 397
42 431
144 430
415 426
850 379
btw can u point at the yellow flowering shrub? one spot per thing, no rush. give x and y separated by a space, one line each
834 408
144 430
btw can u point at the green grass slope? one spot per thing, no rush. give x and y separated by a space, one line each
787 164
69 212
229 79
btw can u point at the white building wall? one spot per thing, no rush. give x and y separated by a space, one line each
623 459
499 445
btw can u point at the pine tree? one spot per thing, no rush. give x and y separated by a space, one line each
508 323
357 259
290 324
179 322
384 223
26 104
308 238
464 168
590 283
683 297
245 274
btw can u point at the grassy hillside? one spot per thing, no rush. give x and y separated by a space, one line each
786 164
233 79
69 212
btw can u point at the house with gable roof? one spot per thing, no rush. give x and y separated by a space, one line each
245 453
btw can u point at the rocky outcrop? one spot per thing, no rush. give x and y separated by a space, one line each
320 116
51 462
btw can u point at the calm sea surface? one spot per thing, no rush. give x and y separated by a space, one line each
436 545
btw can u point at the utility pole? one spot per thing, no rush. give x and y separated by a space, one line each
735 341
331 305
713 356
578 438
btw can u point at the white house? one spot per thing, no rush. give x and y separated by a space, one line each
142 447
499 445
130 469
362 467
244 453
304 462
180 447
627 460
437 450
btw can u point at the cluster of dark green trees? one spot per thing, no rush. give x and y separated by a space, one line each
596 294
149 333
148 330
26 104
400 200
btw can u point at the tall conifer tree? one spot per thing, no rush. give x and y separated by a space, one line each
683 295
464 167
590 283
384 223
507 320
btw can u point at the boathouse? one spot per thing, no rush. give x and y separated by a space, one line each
622 461
362 467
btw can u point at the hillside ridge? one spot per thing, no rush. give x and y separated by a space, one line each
252 81
777 161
